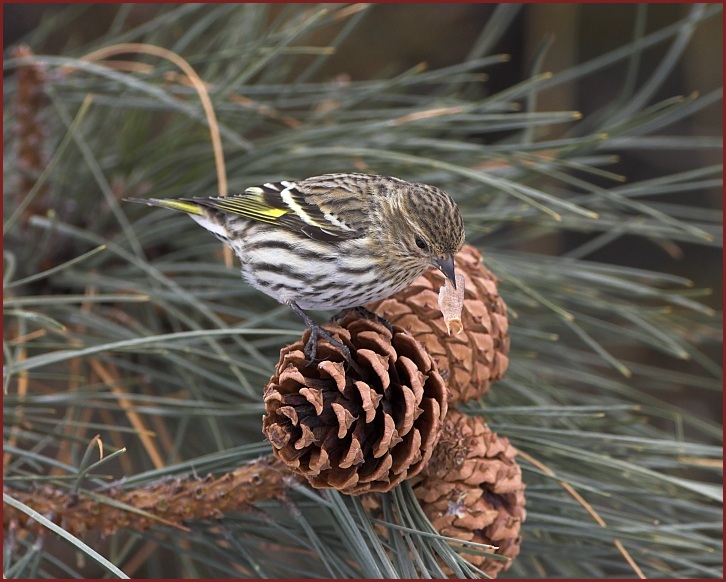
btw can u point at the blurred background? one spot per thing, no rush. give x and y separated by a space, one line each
633 107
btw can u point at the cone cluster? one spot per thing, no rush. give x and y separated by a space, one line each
356 430
364 431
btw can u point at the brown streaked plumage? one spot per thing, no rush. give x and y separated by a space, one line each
334 241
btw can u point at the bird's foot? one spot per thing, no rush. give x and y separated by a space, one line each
317 332
368 314
364 313
311 346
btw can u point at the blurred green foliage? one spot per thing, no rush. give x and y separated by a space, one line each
588 170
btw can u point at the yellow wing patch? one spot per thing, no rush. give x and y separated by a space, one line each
250 207
282 204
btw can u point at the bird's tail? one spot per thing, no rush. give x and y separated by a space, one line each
182 205
212 220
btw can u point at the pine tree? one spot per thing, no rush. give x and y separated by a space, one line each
136 358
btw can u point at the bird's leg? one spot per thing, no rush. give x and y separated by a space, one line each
311 347
364 313
368 314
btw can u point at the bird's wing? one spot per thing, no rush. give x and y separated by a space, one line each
289 205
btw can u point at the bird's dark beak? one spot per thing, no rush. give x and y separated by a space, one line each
446 264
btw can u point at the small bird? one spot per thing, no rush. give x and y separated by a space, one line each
336 241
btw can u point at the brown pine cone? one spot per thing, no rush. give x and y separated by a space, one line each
471 360
349 431
472 489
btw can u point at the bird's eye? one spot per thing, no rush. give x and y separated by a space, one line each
420 243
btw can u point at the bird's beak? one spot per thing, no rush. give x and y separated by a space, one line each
446 264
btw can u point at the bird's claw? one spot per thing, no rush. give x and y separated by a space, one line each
364 313
311 347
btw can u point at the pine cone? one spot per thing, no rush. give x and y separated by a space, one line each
473 359
472 489
349 431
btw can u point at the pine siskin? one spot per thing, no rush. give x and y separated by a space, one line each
335 241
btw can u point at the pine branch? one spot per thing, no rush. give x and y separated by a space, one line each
130 324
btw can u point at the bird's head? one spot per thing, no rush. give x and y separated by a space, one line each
428 228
